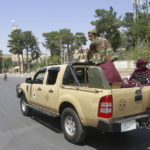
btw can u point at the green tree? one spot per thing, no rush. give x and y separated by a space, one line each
67 40
128 41
108 25
138 31
137 52
30 45
56 40
128 20
35 54
52 42
8 63
80 40
15 44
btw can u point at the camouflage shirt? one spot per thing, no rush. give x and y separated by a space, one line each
99 49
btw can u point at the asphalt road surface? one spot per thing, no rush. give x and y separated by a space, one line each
40 132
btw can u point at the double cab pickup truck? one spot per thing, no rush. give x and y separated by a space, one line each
81 96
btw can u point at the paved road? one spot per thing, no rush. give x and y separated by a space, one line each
40 132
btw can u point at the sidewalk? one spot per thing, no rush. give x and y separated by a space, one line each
123 72
18 75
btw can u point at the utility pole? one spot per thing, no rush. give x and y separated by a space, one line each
136 5
136 8
60 50
64 57
46 57
147 12
3 64
2 61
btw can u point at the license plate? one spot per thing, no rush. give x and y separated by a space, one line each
128 125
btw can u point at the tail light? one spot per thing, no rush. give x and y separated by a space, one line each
105 107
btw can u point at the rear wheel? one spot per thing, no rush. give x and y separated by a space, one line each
72 127
24 107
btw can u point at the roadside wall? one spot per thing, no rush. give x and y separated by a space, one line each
125 67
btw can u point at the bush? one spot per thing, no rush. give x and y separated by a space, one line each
139 52
36 65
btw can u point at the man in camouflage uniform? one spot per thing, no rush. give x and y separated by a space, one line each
100 49
100 52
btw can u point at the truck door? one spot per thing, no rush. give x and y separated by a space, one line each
37 87
50 90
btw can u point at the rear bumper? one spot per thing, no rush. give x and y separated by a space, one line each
115 125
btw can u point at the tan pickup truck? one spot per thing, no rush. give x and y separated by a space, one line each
81 96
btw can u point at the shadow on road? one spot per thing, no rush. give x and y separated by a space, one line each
134 140
49 122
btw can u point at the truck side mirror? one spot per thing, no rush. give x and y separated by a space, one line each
28 80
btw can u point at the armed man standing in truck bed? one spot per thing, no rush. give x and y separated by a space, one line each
100 49
100 52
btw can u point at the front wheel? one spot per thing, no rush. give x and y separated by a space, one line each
24 107
72 127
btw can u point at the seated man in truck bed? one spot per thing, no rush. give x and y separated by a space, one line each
141 75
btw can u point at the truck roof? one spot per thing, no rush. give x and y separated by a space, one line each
73 63
67 64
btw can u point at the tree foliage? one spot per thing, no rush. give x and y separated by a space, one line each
63 40
15 44
80 40
52 42
20 41
7 63
107 25
138 31
130 33
67 39
31 46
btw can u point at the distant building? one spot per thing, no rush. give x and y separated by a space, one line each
7 56
14 58
14 27
79 55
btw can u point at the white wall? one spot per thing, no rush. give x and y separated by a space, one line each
125 64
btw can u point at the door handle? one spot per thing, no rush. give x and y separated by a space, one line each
51 91
39 89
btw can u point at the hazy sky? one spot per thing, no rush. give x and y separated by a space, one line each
41 16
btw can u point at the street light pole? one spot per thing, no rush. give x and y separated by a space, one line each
147 12
46 57
60 51
3 64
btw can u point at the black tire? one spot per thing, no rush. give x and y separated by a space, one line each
24 107
78 133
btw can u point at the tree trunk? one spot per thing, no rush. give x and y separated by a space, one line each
81 49
19 64
51 58
58 59
27 60
68 49
147 12
23 66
